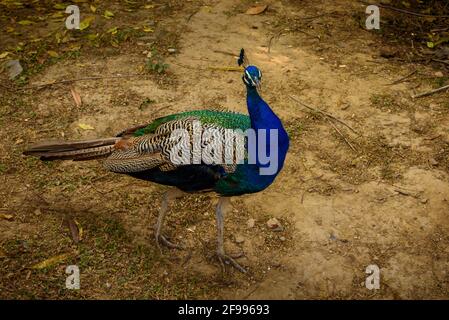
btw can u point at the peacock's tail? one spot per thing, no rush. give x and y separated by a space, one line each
73 150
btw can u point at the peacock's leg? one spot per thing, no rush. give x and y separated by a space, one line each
222 256
169 196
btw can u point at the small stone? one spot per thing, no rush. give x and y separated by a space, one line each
251 223
274 224
439 74
424 200
239 239
433 162
282 238
37 212
171 50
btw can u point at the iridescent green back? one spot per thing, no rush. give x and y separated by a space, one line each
228 120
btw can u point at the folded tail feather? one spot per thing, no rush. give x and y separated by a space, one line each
73 150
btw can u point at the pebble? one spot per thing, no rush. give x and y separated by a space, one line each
274 224
433 162
251 223
171 50
239 239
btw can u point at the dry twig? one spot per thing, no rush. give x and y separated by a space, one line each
403 78
323 113
405 11
39 86
342 135
428 93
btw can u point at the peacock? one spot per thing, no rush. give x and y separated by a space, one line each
146 152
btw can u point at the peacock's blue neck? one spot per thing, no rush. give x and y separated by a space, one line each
262 117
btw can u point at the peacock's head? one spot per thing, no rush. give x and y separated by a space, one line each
252 77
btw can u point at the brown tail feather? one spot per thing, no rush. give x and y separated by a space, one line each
73 150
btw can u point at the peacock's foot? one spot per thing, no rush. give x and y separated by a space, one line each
224 258
162 240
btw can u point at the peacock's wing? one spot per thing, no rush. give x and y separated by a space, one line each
223 119
148 147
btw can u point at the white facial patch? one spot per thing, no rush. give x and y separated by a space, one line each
250 78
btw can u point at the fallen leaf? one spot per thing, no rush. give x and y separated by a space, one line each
149 6
85 126
114 43
57 15
112 30
93 8
257 9
25 22
108 14
59 6
3 55
92 36
207 8
74 230
74 47
86 23
9 29
6 216
53 54
80 230
148 29
50 261
76 96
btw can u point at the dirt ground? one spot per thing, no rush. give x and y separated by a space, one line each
379 197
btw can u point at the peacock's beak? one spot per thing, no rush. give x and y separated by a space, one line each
259 85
